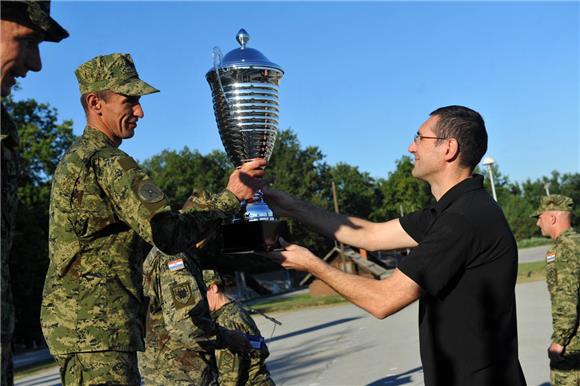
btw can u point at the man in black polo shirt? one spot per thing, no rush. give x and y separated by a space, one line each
462 267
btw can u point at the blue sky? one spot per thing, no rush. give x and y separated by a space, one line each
360 77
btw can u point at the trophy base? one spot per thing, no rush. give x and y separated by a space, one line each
254 236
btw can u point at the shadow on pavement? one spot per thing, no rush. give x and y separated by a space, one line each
398 379
310 329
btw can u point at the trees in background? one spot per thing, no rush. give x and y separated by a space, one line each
301 171
43 140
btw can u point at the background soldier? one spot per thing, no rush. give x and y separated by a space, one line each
105 213
24 25
181 335
563 278
236 369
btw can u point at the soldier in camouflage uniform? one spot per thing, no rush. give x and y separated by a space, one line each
236 369
105 213
563 278
181 335
24 25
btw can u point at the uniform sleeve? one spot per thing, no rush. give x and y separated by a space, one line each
185 310
174 232
565 296
232 368
136 199
440 255
144 207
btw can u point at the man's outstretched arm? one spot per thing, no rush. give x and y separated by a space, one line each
381 298
349 230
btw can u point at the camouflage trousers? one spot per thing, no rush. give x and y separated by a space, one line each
7 371
99 368
180 367
566 372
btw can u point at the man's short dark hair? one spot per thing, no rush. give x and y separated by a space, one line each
104 95
467 127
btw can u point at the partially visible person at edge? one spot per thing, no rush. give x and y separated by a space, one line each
180 334
563 278
236 369
24 25
105 214
462 267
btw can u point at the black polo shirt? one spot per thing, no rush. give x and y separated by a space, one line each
466 264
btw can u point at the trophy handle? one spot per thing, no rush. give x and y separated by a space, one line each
217 61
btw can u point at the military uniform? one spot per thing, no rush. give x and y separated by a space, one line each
563 278
10 172
35 15
239 369
181 334
105 213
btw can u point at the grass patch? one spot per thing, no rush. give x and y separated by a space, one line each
297 302
533 242
533 271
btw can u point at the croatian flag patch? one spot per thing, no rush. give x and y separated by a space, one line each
550 257
175 265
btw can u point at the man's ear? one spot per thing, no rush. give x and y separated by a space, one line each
94 103
452 151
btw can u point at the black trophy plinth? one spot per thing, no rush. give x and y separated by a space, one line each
254 236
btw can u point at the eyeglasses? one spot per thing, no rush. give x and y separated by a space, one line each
419 137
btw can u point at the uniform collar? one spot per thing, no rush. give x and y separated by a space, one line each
568 232
97 137
475 182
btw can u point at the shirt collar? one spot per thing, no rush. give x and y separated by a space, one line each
474 182
97 137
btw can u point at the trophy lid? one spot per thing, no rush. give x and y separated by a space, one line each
245 57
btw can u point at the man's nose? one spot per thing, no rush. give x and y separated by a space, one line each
138 111
33 61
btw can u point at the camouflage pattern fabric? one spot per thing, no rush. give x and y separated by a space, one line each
554 202
115 72
563 278
99 368
10 174
100 230
181 334
236 369
35 14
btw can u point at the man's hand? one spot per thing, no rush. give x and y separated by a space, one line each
556 352
237 341
245 181
294 257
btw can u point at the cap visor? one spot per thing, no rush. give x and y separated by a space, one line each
54 33
135 87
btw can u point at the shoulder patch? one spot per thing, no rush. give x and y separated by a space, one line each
128 163
149 192
182 295
176 265
550 257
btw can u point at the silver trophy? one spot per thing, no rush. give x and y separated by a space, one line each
244 85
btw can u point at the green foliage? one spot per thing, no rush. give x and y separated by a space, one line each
178 173
357 192
401 192
42 142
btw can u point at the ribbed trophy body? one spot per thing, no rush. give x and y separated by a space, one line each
245 102
244 86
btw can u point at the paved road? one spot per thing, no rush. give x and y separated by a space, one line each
343 345
532 254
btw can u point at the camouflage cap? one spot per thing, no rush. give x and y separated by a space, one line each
115 72
36 15
210 277
555 202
